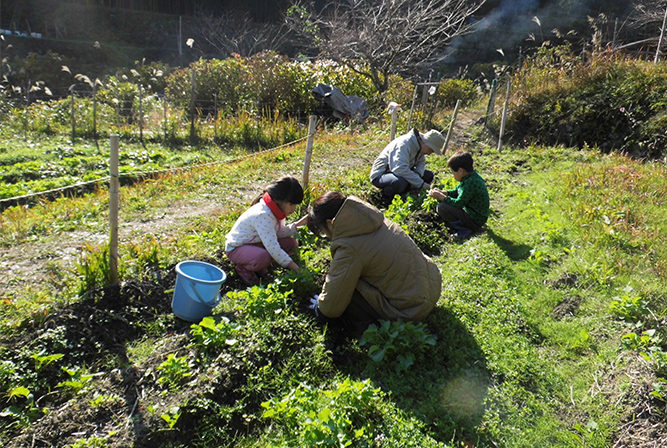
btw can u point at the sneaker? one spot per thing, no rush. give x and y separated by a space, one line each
462 234
249 277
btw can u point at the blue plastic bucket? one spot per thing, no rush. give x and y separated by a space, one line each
197 289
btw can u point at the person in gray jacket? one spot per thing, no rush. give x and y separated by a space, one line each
401 166
376 271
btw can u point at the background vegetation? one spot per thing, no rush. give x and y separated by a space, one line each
610 102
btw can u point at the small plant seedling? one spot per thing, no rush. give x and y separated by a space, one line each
629 308
78 379
26 413
643 341
210 335
174 371
172 416
104 400
660 390
398 342
42 361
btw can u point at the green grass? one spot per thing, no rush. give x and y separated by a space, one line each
529 349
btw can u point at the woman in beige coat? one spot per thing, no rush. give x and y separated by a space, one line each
377 271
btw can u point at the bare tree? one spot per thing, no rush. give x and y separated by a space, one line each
234 34
379 37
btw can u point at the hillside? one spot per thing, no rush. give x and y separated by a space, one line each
548 329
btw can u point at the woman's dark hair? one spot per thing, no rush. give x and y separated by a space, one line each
461 160
285 189
324 208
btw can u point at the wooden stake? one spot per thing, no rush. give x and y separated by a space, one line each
95 110
492 103
504 118
309 150
113 210
141 113
412 107
72 113
451 126
394 116
164 116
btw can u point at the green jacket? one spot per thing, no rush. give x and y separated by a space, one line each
472 196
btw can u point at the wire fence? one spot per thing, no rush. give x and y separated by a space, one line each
130 176
156 117
133 111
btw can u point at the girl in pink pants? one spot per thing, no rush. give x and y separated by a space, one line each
260 235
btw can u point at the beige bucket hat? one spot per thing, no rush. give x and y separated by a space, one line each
434 140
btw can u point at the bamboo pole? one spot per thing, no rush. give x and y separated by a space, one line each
72 113
192 105
451 126
662 34
504 118
164 117
180 38
215 116
113 210
492 103
309 150
25 114
95 110
141 113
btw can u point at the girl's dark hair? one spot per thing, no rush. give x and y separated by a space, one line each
285 189
461 160
323 208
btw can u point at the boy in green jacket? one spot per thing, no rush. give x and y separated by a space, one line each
465 208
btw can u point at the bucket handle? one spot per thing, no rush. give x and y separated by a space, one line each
205 302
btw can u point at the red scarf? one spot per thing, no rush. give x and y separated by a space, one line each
274 207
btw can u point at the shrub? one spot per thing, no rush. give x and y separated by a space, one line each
269 82
610 102
224 78
452 90
35 67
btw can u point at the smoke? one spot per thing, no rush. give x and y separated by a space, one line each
513 25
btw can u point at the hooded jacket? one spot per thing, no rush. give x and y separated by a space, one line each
403 157
376 257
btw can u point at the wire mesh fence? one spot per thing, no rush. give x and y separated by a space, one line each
154 117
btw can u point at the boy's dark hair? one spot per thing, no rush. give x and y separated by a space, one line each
324 208
285 189
461 159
